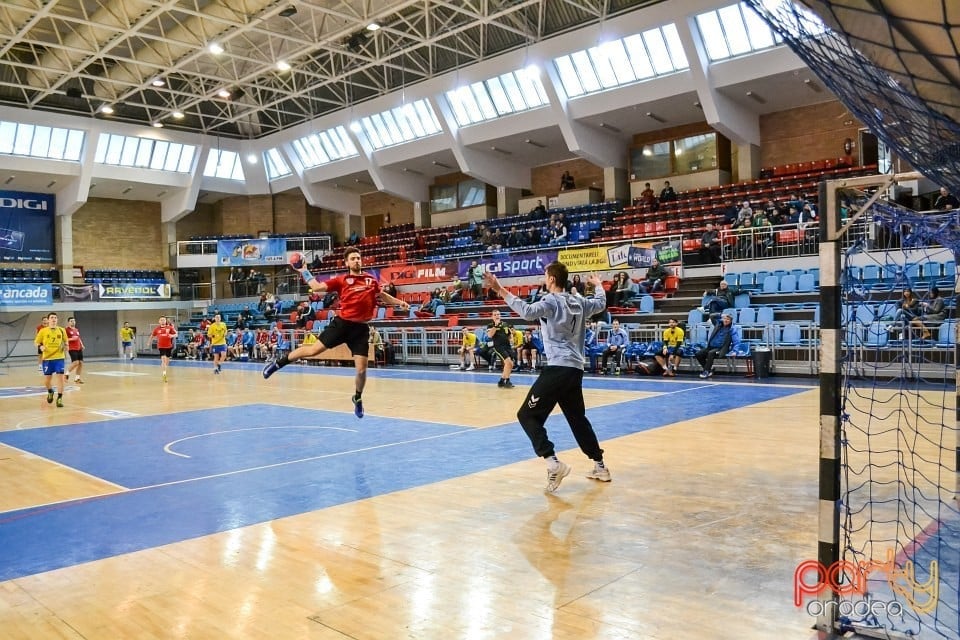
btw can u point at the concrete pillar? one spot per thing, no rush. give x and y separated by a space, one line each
508 200
421 215
748 161
64 237
616 185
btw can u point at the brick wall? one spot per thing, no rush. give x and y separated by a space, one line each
118 234
380 204
545 180
289 212
202 221
245 214
806 133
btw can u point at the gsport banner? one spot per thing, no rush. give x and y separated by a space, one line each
26 226
511 265
250 252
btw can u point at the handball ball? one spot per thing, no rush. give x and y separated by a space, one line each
296 260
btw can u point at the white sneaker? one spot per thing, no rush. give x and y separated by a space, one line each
600 473
471 367
556 476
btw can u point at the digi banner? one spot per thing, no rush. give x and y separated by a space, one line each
142 291
510 265
21 295
250 252
633 255
418 273
26 227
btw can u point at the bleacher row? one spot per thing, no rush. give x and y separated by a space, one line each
12 276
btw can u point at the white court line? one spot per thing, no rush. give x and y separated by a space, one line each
167 447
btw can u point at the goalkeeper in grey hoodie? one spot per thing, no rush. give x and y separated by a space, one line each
563 318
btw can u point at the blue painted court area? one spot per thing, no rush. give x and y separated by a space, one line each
200 472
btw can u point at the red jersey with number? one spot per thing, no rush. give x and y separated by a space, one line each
358 296
73 339
164 335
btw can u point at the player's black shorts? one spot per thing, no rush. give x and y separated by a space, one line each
355 335
76 355
166 351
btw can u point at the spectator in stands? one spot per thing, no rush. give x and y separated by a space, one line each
805 221
710 245
575 286
244 318
648 198
475 280
909 308
353 239
497 240
433 302
379 352
763 234
617 341
655 277
718 345
305 313
946 200
486 237
528 351
558 234
539 210
236 278
420 244
621 290
514 238
249 343
468 348
567 182
391 289
204 323
269 306
235 344
667 194
456 289
531 236
669 356
715 301
730 212
932 311
316 263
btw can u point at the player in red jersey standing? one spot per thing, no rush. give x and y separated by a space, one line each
164 334
359 293
75 349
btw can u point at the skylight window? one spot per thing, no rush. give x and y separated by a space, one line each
223 164
276 166
499 96
324 147
655 52
49 143
401 124
144 153
737 30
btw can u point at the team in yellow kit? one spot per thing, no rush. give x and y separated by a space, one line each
52 343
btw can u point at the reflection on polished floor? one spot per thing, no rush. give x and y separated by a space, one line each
233 507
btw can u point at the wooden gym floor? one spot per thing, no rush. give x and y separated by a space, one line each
232 507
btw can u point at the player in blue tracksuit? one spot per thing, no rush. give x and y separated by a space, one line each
563 318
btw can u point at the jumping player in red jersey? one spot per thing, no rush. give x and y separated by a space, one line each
75 349
359 293
164 334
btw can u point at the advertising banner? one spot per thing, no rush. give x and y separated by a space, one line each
419 273
511 265
632 255
144 291
21 295
78 293
250 252
26 226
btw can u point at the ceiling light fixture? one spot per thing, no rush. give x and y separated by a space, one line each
373 26
283 65
534 143
107 109
252 158
355 127
413 171
223 93
698 105
158 82
654 116
215 48
756 97
503 151
157 125
177 115
126 191
609 127
813 86
437 163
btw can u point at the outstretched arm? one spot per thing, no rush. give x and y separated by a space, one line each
386 298
313 283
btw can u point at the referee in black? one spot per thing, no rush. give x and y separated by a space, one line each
563 317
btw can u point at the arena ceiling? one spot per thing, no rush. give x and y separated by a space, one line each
150 60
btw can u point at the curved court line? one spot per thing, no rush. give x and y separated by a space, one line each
167 447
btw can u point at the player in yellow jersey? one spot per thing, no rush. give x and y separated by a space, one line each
217 332
467 348
669 356
40 327
52 341
127 336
